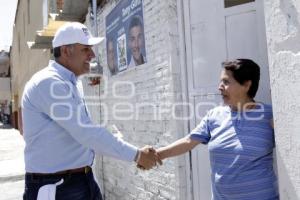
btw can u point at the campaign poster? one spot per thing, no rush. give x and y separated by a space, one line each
125 39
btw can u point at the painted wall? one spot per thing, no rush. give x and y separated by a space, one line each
24 61
155 87
150 118
283 36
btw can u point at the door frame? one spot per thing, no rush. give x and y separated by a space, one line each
186 62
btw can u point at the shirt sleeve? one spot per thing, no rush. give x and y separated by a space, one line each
201 132
60 101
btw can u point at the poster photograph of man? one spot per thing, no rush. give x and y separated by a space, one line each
125 44
136 42
111 57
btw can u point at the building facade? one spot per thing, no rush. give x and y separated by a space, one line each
25 62
5 91
164 97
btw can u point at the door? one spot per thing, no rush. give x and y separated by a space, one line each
218 30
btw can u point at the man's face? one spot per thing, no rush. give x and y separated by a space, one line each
136 41
79 58
110 56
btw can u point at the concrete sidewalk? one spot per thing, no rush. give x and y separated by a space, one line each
12 168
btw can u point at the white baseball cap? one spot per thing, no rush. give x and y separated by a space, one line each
74 32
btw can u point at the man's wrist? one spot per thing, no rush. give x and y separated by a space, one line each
137 156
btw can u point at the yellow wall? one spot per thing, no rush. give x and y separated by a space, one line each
24 61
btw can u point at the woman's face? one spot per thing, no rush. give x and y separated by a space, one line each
233 93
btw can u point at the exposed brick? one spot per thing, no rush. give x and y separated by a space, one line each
154 92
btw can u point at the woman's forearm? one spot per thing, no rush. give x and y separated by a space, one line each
179 147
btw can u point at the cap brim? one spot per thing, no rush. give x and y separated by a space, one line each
95 40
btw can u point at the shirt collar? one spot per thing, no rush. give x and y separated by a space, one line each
69 75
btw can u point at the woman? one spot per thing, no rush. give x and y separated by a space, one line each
239 136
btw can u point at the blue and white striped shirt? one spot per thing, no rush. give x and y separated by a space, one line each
241 152
58 132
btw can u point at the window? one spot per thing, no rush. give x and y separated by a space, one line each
230 3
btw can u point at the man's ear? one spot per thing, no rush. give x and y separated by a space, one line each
65 51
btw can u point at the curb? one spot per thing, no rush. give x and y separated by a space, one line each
13 178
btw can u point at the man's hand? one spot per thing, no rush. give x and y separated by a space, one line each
147 158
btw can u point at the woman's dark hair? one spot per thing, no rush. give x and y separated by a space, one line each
244 70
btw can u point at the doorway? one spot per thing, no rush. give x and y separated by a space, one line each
215 31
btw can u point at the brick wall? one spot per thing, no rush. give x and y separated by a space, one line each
155 87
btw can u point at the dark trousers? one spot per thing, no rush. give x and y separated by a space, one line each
76 186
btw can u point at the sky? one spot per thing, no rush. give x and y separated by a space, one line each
7 18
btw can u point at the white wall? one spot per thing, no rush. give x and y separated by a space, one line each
156 83
283 35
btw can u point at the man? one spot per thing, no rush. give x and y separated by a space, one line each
111 62
61 140
136 42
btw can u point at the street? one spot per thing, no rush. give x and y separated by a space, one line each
11 164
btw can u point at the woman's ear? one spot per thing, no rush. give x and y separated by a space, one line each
248 84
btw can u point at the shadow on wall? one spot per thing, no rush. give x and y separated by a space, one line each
286 188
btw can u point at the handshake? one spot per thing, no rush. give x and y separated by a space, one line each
147 157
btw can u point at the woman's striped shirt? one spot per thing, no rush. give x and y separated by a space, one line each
241 152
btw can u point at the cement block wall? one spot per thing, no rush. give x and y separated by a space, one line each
155 86
283 35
